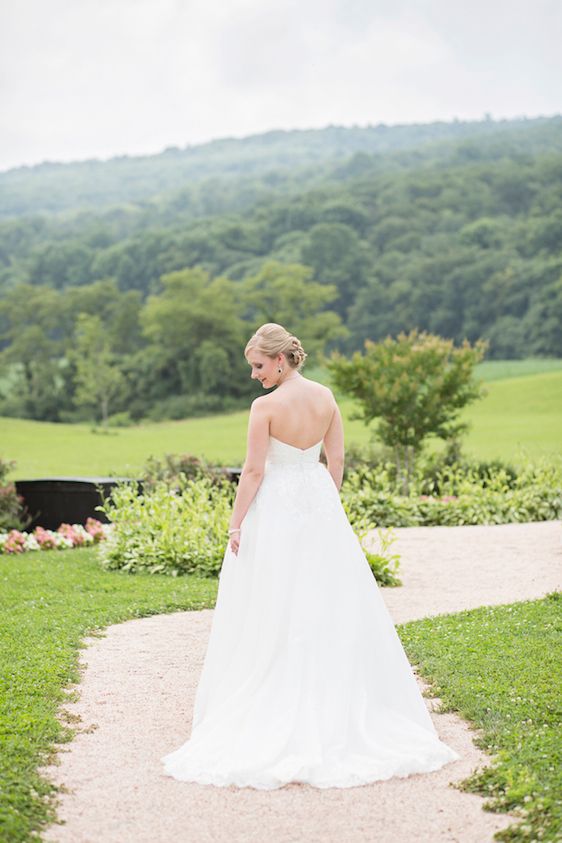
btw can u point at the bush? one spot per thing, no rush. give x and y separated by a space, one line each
179 524
173 468
168 531
432 467
383 564
359 457
13 515
453 495
179 407
122 419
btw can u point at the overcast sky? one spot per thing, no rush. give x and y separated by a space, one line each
96 78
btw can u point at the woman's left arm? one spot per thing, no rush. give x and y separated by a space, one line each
254 465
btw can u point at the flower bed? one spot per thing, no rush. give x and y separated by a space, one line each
66 536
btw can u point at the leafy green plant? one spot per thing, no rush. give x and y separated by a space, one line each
455 495
13 514
172 467
384 564
168 531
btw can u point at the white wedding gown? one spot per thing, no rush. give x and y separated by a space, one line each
305 678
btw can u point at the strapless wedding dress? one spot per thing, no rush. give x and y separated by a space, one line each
305 678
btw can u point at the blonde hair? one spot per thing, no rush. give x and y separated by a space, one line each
273 339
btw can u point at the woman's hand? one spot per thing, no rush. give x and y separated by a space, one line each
234 541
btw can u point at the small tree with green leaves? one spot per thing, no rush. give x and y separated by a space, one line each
98 380
415 385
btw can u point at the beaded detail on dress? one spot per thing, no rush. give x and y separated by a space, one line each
297 477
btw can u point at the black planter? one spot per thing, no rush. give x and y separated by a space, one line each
55 500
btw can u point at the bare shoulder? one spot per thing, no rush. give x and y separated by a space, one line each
259 404
318 386
325 391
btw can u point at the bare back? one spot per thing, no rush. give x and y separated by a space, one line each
303 413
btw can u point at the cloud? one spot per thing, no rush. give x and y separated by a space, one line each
95 79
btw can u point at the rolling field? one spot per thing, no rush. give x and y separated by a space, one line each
520 417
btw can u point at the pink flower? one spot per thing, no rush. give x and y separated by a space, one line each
95 529
68 531
15 543
67 535
45 538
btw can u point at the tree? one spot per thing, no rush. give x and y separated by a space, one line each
286 293
30 351
415 385
98 380
193 325
338 256
544 320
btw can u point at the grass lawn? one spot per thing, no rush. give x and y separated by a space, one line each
49 601
499 667
496 666
520 417
491 370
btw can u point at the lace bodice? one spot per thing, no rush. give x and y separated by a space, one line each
298 478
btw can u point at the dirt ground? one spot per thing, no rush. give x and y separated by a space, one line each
136 700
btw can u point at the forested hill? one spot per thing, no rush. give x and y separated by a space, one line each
277 157
461 237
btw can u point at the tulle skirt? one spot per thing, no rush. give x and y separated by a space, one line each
305 678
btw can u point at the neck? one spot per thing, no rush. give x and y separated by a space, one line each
288 378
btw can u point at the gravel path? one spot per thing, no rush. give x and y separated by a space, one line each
136 699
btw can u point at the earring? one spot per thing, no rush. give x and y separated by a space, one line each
279 369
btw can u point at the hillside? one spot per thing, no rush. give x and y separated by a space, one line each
277 156
458 237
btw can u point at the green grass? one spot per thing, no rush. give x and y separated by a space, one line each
520 418
491 370
496 666
500 668
49 601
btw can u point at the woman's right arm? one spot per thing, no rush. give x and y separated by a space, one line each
254 465
333 447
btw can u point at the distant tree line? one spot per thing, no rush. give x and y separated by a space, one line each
461 238
97 351
206 178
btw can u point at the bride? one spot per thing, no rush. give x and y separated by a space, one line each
305 678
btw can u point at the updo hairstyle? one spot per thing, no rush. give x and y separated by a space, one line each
273 339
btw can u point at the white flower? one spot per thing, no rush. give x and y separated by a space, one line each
64 542
31 542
